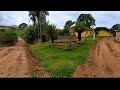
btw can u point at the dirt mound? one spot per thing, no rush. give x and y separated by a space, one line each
105 56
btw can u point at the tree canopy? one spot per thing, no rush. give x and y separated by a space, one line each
87 19
67 26
37 17
23 25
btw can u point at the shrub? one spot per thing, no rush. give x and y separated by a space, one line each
7 37
10 37
30 34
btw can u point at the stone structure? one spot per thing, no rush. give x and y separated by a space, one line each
67 38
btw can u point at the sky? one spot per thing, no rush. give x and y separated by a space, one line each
59 18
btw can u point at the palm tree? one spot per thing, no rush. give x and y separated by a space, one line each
38 16
51 31
32 15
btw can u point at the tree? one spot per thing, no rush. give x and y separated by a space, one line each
51 31
79 27
119 28
114 27
67 26
39 16
30 34
87 19
23 25
32 15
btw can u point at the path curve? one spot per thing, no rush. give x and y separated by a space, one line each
17 62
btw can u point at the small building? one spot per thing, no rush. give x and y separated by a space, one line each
7 27
104 33
85 33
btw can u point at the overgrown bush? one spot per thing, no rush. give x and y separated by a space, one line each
30 34
7 37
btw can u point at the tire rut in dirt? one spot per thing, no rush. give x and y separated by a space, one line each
106 64
5 52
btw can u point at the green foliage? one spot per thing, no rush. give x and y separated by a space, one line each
30 34
114 27
67 26
119 28
79 26
60 32
38 17
20 33
7 37
50 31
101 28
61 63
87 19
23 26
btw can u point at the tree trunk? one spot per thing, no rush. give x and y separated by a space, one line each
35 25
52 39
79 36
40 31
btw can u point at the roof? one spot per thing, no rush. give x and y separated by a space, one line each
7 26
104 30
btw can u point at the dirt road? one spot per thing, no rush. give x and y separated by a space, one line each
104 61
16 62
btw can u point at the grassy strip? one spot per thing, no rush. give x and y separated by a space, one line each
61 63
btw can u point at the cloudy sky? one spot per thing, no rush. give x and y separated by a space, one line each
103 18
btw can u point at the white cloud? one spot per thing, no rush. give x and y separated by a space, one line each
103 18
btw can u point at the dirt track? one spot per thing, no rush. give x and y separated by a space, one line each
104 61
16 62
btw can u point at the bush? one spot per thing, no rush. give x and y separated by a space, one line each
30 34
7 37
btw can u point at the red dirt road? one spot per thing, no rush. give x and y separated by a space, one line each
16 62
104 61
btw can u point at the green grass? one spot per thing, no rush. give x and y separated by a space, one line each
61 63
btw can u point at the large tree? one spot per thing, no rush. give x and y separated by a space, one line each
39 17
23 25
114 27
32 15
79 28
67 26
87 19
